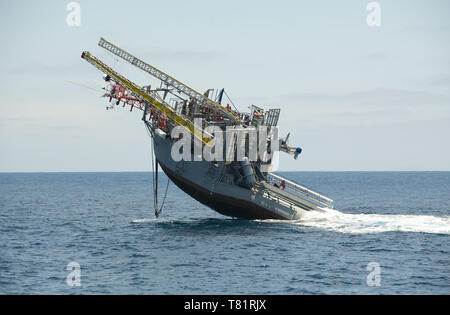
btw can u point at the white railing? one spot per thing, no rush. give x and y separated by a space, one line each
299 189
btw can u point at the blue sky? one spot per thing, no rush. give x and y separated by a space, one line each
354 97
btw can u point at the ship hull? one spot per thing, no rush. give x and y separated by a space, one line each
204 181
223 204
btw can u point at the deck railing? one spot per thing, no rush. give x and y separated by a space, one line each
299 189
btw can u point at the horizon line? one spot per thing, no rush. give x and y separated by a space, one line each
315 171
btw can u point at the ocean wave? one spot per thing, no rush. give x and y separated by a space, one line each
334 220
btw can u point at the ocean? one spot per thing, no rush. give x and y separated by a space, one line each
95 233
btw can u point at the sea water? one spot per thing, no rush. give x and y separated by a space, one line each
94 233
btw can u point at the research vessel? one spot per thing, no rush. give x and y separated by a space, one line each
215 153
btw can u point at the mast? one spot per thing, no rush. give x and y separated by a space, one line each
146 97
167 79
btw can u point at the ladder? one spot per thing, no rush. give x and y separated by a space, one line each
167 79
147 97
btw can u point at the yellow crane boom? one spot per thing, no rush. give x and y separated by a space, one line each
144 96
167 79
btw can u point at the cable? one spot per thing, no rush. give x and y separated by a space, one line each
230 101
155 179
85 86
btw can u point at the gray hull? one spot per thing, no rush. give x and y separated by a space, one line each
205 182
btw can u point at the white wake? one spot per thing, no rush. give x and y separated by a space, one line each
334 220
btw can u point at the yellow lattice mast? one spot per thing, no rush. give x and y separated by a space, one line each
150 98
167 79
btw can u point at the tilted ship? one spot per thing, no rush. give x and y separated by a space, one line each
240 185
